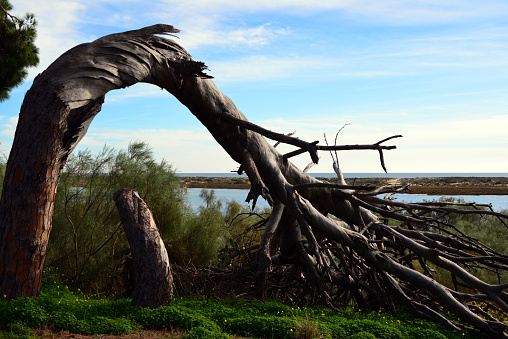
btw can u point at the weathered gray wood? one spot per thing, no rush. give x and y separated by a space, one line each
55 116
264 256
153 280
65 98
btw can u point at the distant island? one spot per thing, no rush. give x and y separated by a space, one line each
431 186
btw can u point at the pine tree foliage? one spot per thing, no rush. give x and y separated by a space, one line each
17 48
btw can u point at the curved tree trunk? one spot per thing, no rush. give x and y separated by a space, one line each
153 281
72 90
54 117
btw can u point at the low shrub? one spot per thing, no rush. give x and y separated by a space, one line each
425 333
19 329
362 335
307 329
93 325
202 333
180 318
112 326
58 308
261 327
27 310
68 321
379 330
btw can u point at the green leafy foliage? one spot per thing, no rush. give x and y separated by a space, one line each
27 310
181 318
60 309
92 325
379 330
87 243
362 335
17 48
88 246
261 326
488 229
203 333
206 232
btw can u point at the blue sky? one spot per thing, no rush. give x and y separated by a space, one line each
435 71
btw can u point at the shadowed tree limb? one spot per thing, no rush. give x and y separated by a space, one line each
66 97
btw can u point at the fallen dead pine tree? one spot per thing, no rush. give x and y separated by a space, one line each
345 241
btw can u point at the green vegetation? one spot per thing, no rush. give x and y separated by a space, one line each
17 49
487 229
87 243
88 252
60 309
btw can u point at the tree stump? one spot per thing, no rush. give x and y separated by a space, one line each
153 280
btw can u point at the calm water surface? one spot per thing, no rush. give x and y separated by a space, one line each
499 202
363 175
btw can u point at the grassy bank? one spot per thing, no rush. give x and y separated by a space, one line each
59 312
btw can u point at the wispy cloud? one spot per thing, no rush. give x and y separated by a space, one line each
205 31
9 127
187 149
424 80
265 68
140 90
218 23
409 12
468 145
449 146
393 12
57 27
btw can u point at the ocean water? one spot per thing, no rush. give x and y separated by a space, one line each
499 202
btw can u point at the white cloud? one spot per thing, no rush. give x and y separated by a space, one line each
393 12
189 151
57 27
140 90
209 23
264 68
205 31
219 27
472 145
9 127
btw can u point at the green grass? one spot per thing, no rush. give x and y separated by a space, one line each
59 308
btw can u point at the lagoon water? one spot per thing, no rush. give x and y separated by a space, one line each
499 202
363 175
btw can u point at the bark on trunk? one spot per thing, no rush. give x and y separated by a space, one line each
64 99
153 281
54 117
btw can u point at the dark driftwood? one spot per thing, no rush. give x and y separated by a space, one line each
64 99
153 281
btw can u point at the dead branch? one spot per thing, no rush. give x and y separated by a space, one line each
331 244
